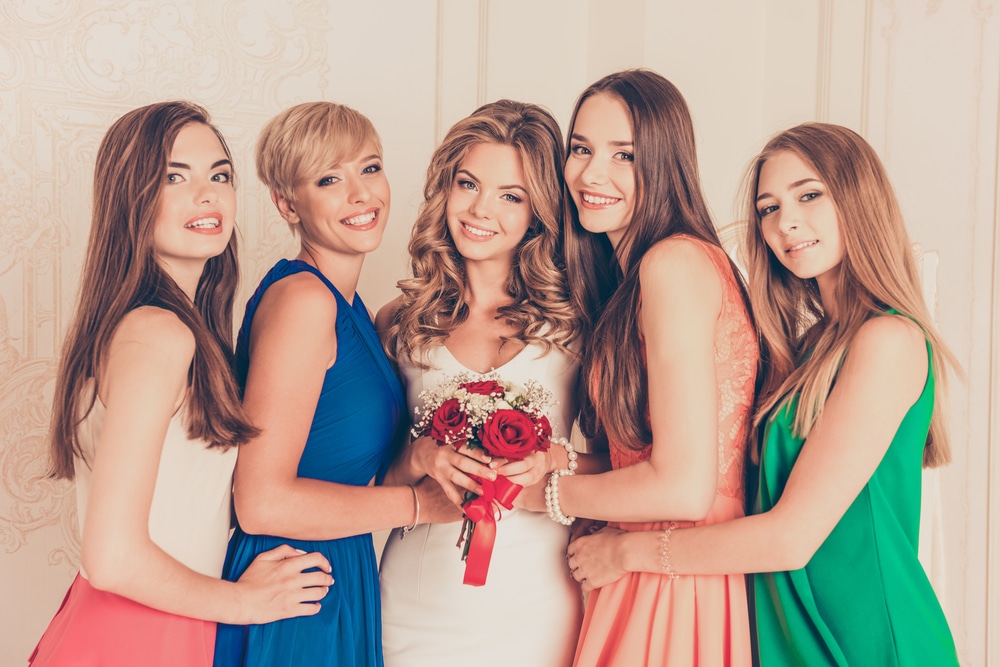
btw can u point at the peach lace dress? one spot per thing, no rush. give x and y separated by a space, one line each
649 619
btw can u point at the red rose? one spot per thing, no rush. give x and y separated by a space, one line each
483 388
450 423
509 434
544 430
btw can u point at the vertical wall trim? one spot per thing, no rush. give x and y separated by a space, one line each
825 60
484 25
993 425
439 73
866 68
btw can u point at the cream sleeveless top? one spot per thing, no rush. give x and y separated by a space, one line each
190 514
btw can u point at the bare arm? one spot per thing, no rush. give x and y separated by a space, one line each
292 344
681 301
145 377
883 374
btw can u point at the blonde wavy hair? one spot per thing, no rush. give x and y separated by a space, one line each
804 351
433 301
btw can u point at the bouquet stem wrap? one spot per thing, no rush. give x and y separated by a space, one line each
480 512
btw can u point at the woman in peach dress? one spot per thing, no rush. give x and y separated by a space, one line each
670 365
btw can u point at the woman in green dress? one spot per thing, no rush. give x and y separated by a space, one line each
849 413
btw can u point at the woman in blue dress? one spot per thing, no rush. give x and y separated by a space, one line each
318 385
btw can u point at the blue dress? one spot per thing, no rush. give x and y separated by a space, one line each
357 418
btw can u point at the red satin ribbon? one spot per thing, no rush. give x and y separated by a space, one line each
480 512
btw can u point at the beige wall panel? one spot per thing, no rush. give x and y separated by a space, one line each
715 54
537 52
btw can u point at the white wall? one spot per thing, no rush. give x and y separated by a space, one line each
920 80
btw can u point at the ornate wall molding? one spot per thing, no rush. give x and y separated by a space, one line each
984 13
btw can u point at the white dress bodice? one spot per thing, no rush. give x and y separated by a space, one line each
530 610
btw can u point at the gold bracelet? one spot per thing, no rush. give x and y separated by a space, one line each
416 513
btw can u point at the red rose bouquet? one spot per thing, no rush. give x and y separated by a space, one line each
506 420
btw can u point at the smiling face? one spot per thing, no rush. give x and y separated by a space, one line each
799 220
344 208
599 170
488 210
197 204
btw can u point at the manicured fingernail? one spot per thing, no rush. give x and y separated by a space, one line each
299 551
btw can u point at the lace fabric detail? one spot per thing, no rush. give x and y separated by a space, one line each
736 356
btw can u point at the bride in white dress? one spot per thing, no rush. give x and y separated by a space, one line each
488 293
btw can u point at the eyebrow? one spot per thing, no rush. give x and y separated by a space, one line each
794 185
502 187
182 165
618 144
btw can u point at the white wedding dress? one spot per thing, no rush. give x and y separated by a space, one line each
529 612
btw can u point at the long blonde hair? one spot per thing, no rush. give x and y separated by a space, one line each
433 302
802 349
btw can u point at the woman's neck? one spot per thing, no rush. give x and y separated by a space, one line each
486 285
340 269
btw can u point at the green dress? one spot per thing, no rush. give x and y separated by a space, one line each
863 598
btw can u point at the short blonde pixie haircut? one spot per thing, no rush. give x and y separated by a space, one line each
303 140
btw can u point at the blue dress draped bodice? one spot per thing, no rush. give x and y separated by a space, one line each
357 418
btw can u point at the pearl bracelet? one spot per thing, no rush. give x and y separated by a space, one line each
552 498
665 565
572 465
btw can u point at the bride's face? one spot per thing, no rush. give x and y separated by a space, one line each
489 210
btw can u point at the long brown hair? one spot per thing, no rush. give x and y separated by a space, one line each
121 273
669 201
434 299
878 272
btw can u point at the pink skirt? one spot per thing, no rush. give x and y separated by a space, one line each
649 619
99 629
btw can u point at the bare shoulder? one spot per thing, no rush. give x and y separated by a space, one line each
387 314
301 298
892 337
158 329
889 346
683 264
679 257
149 355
